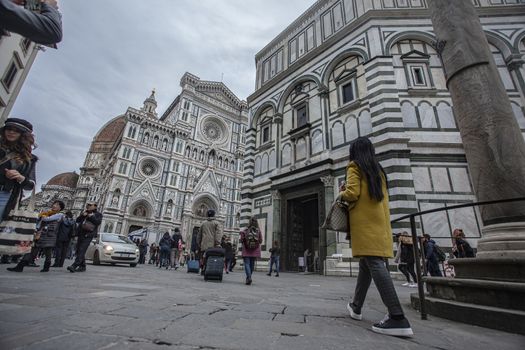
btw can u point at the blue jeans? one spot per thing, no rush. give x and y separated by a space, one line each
249 265
4 198
274 260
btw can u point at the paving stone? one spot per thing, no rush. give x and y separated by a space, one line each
147 308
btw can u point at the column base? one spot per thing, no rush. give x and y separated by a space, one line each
502 241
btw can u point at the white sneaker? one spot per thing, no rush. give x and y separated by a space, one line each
406 284
413 285
353 314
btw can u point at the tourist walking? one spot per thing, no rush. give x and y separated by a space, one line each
153 252
143 250
366 189
45 239
251 239
461 247
165 249
209 237
226 244
88 223
431 256
405 259
275 253
66 231
17 164
175 246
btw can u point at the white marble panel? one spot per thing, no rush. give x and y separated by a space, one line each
421 179
445 115
435 224
317 142
337 134
365 123
426 114
409 115
440 179
460 179
286 155
300 149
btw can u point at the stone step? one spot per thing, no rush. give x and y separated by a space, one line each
512 321
501 269
508 295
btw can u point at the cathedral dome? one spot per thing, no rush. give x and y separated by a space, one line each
111 131
64 180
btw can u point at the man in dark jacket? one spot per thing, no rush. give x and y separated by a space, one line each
43 28
66 231
431 256
88 223
175 254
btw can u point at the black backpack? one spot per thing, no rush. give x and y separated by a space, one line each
252 238
440 254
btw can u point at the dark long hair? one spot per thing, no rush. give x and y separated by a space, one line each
22 147
363 154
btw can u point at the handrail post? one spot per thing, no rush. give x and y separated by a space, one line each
420 288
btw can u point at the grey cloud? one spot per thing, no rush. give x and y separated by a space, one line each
114 52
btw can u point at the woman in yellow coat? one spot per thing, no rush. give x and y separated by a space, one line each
366 187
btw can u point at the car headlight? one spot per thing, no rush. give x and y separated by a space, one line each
136 251
108 248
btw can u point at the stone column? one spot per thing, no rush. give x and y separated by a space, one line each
327 237
292 159
492 140
308 147
276 224
514 65
278 121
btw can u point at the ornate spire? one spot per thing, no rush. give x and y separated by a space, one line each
150 104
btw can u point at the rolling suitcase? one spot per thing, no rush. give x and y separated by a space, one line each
193 265
214 264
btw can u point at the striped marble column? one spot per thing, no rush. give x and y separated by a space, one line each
248 174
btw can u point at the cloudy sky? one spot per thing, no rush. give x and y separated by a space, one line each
114 52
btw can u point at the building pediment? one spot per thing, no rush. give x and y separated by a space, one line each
415 54
145 191
208 184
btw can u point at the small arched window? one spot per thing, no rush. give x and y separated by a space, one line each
155 142
145 139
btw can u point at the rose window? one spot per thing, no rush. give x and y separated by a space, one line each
214 130
149 167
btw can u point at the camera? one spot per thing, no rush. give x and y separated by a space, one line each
33 5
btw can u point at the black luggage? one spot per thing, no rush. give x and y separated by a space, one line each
214 264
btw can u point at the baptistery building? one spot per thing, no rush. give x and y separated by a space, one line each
350 68
161 171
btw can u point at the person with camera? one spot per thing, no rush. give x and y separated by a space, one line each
42 27
88 223
66 231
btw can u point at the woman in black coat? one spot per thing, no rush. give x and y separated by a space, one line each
17 163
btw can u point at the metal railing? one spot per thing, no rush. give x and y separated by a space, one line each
416 246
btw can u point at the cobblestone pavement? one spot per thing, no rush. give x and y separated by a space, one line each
113 307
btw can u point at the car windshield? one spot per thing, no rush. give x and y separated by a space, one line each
115 239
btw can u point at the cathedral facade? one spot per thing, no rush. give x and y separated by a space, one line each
350 68
158 172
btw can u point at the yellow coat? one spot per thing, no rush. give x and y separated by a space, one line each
369 219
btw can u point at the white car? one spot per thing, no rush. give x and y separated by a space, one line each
114 249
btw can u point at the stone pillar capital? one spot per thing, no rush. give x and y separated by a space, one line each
276 195
328 181
514 62
278 118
